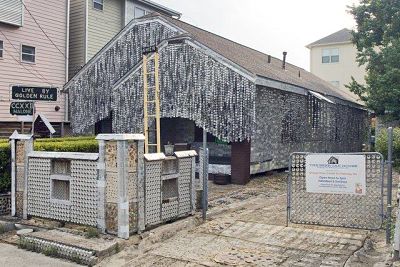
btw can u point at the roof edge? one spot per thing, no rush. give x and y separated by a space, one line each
287 87
165 9
143 20
309 46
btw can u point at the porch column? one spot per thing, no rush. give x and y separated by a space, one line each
240 162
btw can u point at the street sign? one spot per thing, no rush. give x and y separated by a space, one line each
21 108
33 93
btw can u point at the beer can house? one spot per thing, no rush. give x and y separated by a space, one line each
256 109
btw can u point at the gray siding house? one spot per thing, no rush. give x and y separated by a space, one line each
95 22
255 108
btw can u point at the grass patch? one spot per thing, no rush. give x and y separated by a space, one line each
92 232
50 251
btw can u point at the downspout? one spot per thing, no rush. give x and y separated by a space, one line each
66 105
85 45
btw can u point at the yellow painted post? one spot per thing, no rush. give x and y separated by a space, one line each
157 95
145 117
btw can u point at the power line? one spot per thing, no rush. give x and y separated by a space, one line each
40 27
42 77
23 65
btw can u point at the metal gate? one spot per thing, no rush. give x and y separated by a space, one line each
345 210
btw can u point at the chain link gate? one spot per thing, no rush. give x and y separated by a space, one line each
343 210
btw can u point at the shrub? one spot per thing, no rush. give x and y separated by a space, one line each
5 167
87 144
382 145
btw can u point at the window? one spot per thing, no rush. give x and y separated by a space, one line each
330 55
335 83
139 12
60 189
28 54
60 180
98 4
1 49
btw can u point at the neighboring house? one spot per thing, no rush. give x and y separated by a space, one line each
95 22
333 58
33 52
255 108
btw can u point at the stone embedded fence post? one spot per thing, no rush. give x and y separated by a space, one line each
21 146
118 168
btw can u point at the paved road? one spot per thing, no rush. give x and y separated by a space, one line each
12 256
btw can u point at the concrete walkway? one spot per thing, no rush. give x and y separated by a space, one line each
12 256
248 228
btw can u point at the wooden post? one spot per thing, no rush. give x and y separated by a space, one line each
240 162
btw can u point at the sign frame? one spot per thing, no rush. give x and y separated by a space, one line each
35 90
335 174
32 103
361 211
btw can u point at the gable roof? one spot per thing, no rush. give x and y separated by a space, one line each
256 62
240 57
342 36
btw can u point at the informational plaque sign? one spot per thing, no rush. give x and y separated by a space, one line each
21 108
335 174
33 93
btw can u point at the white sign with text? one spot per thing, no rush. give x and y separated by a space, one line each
335 174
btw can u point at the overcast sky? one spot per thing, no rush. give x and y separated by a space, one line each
271 26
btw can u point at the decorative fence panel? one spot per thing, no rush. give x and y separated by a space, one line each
336 209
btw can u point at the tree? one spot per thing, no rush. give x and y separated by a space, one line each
377 40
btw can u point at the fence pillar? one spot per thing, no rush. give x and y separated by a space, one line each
114 177
101 184
21 146
140 187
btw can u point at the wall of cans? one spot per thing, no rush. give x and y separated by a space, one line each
193 85
295 123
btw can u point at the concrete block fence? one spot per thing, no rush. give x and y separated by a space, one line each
120 190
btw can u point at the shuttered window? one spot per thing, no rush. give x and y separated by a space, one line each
11 12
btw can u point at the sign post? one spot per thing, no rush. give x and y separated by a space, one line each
28 96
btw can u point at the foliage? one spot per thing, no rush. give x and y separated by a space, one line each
5 167
378 48
68 144
50 251
381 145
85 145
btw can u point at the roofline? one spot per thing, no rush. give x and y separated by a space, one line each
271 83
309 46
127 27
165 9
257 79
